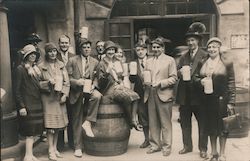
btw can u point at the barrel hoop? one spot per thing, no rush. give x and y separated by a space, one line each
105 139
110 116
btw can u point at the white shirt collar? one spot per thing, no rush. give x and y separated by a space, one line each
194 51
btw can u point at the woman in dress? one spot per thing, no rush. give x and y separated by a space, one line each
55 83
218 99
29 99
111 84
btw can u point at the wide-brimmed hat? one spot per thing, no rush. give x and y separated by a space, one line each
49 46
83 41
196 29
214 39
34 37
28 49
109 44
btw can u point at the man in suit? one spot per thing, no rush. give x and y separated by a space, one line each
141 52
80 69
159 96
99 50
189 95
63 55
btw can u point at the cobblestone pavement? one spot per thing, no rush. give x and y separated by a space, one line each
236 150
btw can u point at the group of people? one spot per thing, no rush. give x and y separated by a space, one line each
65 91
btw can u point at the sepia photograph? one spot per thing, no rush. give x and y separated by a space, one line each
124 80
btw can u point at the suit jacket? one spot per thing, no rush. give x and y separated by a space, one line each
166 75
187 91
74 68
223 80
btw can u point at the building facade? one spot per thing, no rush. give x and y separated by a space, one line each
122 21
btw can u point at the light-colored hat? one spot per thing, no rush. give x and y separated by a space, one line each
109 44
28 49
214 39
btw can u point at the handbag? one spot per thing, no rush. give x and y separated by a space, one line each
232 121
45 86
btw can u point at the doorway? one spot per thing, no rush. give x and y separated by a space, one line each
173 29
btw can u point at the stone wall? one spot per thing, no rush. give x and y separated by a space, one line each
234 20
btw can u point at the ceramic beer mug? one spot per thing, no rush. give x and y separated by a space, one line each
58 83
125 69
147 76
186 73
133 68
208 85
87 86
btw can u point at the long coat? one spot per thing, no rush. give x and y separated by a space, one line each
223 93
55 112
28 96
74 68
166 75
187 92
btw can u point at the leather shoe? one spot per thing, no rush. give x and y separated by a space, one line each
166 152
214 158
78 153
152 150
145 144
185 150
203 154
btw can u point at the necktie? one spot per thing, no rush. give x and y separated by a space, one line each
142 64
192 54
87 72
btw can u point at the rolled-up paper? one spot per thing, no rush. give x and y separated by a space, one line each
118 67
208 85
186 74
147 76
58 83
87 86
133 68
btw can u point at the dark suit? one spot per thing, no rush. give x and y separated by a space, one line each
189 98
76 96
60 143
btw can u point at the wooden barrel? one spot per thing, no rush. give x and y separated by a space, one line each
9 129
111 132
242 107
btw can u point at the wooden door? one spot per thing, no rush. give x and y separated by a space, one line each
121 31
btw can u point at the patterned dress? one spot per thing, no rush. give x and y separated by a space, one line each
55 113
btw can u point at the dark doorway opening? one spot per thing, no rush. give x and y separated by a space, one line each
21 23
173 29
